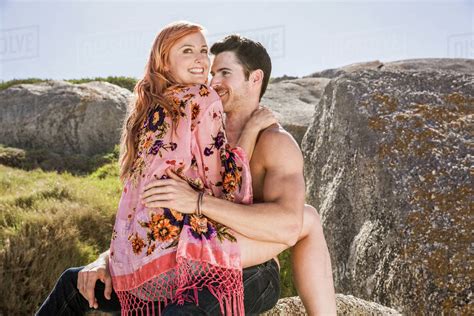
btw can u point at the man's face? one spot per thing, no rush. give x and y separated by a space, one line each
228 79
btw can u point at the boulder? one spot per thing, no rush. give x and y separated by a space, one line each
388 165
346 305
335 72
63 117
294 101
458 65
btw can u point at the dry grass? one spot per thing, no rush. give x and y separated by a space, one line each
51 221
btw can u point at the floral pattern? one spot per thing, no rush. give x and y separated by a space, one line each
206 162
162 228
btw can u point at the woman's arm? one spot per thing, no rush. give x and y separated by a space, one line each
261 118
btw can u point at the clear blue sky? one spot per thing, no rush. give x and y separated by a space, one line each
77 39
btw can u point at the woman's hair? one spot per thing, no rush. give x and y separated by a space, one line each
149 91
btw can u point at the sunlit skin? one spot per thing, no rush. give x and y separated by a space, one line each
262 229
228 79
188 63
189 59
268 227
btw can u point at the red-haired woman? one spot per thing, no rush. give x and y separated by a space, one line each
161 256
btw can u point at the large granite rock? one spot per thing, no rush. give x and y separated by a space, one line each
459 65
346 305
335 72
293 101
63 117
388 165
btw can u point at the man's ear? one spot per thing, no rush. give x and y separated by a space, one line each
256 76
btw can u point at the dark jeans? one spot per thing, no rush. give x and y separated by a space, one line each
261 293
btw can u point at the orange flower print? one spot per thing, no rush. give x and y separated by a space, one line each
199 225
164 231
148 140
194 110
137 243
177 215
203 91
229 182
150 249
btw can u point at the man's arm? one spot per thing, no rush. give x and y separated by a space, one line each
280 218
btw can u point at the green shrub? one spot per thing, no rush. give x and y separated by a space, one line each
9 83
47 160
124 82
51 221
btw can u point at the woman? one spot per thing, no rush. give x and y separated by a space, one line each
159 254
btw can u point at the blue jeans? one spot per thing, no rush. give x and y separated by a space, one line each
261 293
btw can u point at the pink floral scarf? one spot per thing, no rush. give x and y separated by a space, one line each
158 254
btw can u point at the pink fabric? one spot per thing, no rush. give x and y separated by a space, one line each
158 253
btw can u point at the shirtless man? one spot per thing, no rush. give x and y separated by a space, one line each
278 220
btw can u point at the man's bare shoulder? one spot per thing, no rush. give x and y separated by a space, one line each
275 134
276 141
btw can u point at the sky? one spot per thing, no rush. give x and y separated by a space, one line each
85 39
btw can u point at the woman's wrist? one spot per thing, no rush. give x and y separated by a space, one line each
198 210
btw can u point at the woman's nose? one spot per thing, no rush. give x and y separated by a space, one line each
199 58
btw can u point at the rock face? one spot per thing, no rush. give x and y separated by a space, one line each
346 305
294 101
458 65
388 165
335 72
67 118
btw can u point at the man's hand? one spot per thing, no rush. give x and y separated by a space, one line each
173 193
97 270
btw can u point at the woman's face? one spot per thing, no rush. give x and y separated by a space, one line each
189 60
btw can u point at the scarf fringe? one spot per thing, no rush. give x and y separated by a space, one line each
223 283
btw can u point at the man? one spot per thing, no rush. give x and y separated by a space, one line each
278 220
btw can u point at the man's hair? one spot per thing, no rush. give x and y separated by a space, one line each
250 54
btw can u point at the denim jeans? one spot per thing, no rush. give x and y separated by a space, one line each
261 293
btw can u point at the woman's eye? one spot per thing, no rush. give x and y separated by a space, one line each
187 50
225 73
204 51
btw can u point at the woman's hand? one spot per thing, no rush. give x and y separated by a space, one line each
260 119
173 193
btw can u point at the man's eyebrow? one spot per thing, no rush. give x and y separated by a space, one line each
223 68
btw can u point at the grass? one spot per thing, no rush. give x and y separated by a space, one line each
51 220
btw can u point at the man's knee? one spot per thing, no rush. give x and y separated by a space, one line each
69 277
311 219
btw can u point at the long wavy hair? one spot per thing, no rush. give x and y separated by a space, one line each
149 91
